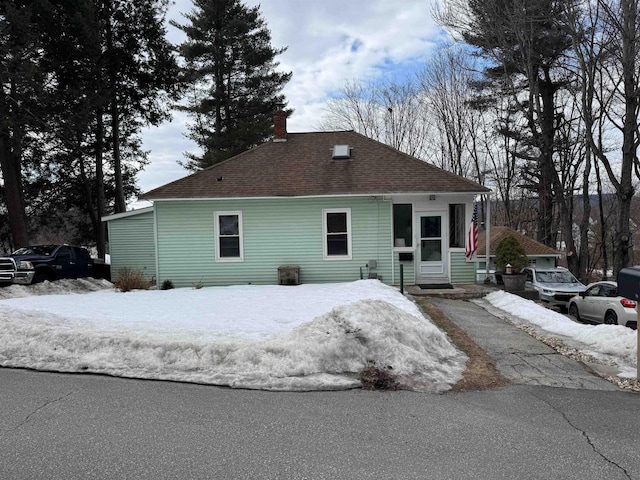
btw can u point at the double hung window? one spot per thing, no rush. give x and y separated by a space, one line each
228 236
336 225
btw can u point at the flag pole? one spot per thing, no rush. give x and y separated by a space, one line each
487 236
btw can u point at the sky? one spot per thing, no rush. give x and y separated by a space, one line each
328 43
270 337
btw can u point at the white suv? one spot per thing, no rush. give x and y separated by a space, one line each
555 286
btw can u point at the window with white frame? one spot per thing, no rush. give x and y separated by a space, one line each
336 227
228 236
457 225
402 225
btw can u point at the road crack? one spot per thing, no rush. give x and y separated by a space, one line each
39 408
587 438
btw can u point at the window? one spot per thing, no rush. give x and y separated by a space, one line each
457 224
336 225
402 225
228 236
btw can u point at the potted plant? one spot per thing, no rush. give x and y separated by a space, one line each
510 260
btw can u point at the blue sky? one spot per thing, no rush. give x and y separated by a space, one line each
329 42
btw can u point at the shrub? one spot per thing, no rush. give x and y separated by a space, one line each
509 251
374 378
166 285
128 279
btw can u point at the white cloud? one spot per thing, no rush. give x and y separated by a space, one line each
328 43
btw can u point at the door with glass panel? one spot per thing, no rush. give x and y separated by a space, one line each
432 254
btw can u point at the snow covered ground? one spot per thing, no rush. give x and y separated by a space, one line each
308 337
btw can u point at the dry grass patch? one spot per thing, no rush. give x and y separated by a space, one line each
481 372
128 279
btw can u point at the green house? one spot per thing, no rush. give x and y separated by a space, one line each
303 208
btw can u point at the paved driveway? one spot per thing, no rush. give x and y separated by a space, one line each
519 357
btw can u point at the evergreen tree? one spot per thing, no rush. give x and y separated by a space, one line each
23 88
79 80
526 42
235 89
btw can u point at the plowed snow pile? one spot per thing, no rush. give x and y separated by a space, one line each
310 337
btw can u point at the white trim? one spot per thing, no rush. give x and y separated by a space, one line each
156 246
444 243
216 235
115 216
325 255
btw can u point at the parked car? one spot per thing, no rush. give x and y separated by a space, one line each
600 303
555 286
45 262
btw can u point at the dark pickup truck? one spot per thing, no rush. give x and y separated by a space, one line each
45 262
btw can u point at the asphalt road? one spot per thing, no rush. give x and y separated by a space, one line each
59 426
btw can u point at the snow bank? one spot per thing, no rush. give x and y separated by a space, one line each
612 343
310 337
59 287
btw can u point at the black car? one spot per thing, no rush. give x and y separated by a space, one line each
45 262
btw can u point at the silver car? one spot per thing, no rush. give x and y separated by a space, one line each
555 286
601 303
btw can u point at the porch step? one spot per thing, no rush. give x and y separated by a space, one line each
459 292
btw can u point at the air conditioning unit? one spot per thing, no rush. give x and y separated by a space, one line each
289 275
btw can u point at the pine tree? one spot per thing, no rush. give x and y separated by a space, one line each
234 86
525 41
22 96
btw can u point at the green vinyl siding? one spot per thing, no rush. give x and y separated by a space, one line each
132 245
276 232
462 272
408 270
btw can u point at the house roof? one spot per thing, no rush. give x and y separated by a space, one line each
130 213
531 247
303 166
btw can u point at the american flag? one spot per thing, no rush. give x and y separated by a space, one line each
472 235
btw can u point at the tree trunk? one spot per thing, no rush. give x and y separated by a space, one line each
100 202
11 173
548 185
120 205
582 266
625 190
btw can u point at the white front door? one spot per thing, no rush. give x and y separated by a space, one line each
432 252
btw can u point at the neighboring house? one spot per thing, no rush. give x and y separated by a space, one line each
336 205
539 254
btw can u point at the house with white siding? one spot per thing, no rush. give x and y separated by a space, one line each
303 207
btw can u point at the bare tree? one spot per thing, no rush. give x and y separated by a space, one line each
525 42
392 113
446 82
606 42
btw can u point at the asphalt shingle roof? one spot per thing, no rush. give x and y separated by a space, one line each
531 246
302 166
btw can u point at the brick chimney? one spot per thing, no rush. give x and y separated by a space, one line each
280 126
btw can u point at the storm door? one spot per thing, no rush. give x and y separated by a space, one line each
432 254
